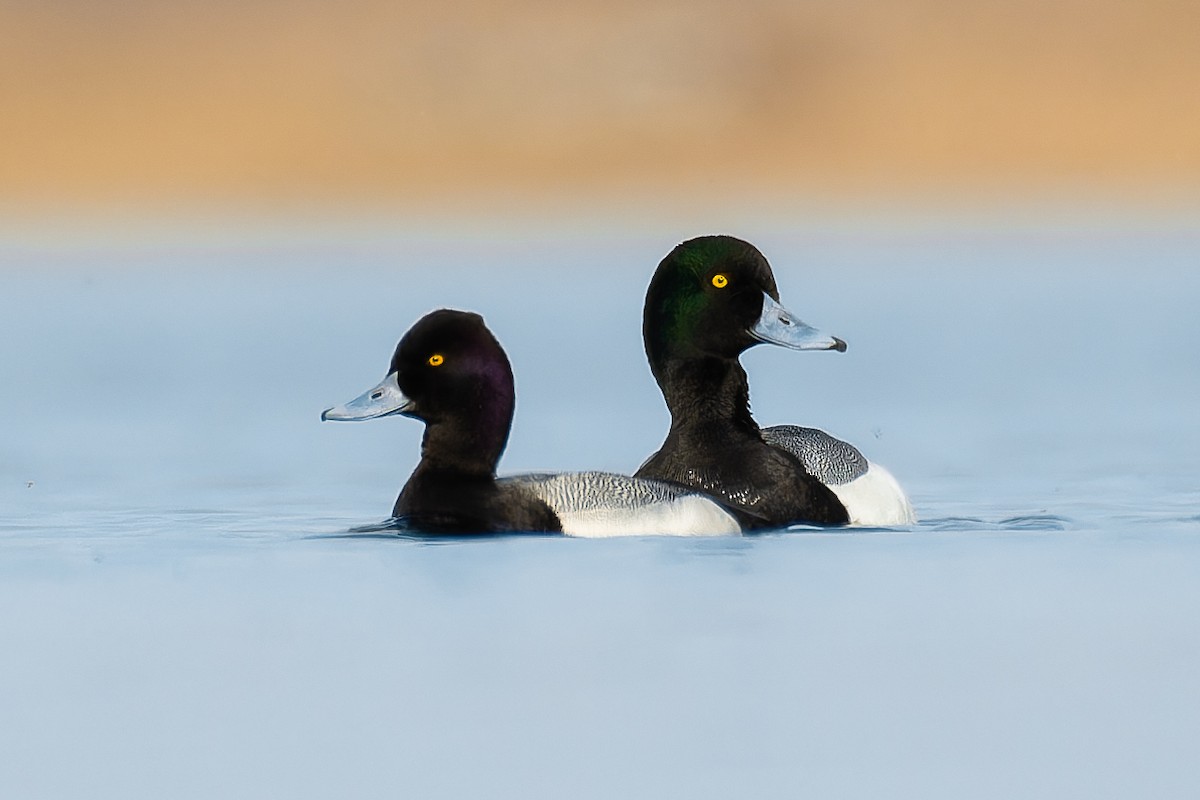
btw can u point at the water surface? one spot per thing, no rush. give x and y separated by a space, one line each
184 615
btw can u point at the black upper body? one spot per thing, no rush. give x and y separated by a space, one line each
702 308
453 375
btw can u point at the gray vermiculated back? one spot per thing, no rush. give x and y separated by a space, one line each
829 460
581 491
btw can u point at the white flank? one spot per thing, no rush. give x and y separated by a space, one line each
875 499
690 515
602 504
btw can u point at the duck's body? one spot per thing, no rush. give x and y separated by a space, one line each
450 372
710 300
602 504
869 493
714 445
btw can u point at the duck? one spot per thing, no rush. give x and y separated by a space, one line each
711 299
449 372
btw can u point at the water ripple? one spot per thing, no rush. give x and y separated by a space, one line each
1023 522
1036 522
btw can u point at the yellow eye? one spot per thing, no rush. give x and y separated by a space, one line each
720 281
436 360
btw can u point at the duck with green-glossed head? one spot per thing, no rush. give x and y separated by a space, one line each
711 299
716 296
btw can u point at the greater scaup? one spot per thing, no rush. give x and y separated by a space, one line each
711 299
450 372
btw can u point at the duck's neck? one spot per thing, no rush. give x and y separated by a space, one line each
706 391
467 446
450 449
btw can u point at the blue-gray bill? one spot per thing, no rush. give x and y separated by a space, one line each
777 325
382 400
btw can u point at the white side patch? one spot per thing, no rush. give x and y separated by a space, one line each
687 516
875 499
599 504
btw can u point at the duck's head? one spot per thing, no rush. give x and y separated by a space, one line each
448 368
715 296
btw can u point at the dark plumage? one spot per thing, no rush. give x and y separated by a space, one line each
452 374
704 307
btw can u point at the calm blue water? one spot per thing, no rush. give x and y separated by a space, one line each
182 617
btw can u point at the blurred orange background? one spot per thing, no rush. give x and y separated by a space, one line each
274 104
